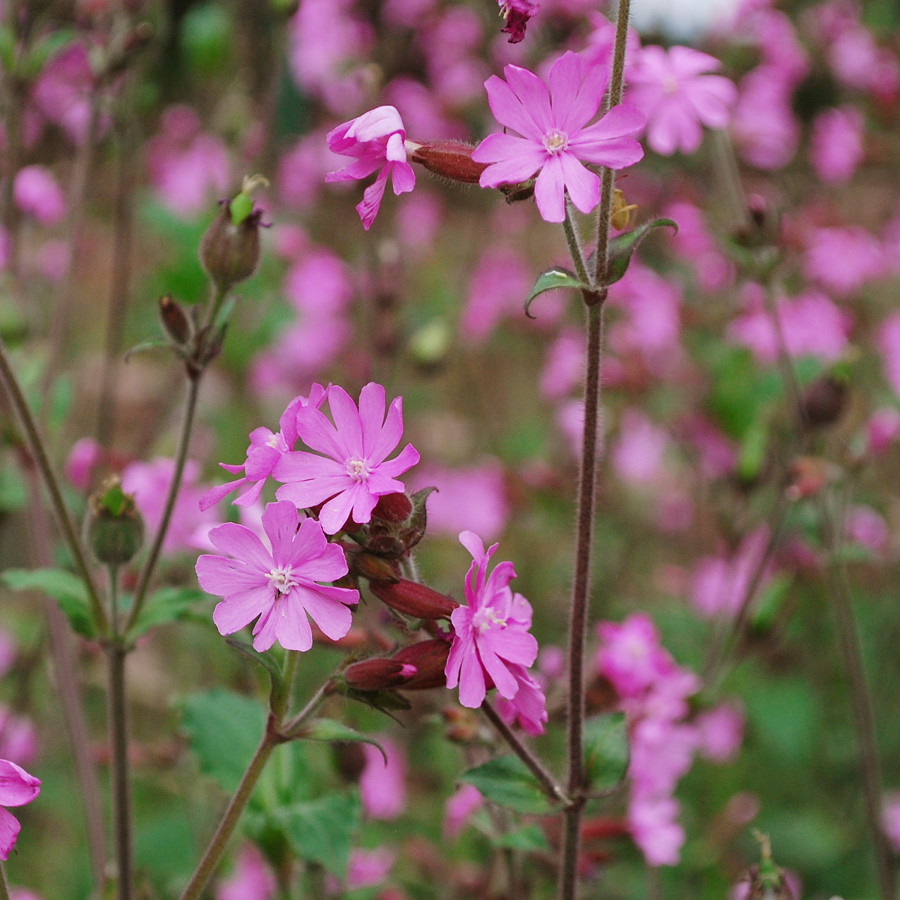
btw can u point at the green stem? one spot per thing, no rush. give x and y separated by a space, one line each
292 727
547 782
36 447
4 886
219 842
181 452
574 246
116 654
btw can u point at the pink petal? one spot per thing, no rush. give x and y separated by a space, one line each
347 421
9 831
583 185
240 609
549 191
17 787
328 612
240 542
370 420
577 90
279 521
224 577
533 99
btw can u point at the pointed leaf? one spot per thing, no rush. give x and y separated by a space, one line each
551 280
623 246
329 730
169 604
322 830
606 750
224 730
149 344
507 782
65 587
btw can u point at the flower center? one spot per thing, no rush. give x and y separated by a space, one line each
556 141
670 85
273 440
282 579
357 469
486 619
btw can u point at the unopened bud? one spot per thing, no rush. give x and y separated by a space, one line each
824 401
369 566
229 250
393 508
176 323
378 674
429 659
414 599
450 159
114 527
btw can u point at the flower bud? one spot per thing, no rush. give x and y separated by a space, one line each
450 159
429 659
378 674
114 527
393 508
824 401
229 250
369 566
176 323
414 599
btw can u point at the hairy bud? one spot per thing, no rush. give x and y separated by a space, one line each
414 599
114 527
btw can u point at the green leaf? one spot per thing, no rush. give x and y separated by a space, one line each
551 280
322 830
528 839
224 730
507 782
149 344
330 730
169 604
65 587
606 750
622 247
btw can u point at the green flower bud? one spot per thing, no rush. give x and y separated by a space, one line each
114 527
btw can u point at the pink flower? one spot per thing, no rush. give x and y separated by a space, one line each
672 88
491 634
252 879
843 259
459 808
38 195
17 788
653 821
263 453
84 457
516 13
366 868
354 470
763 124
280 585
890 819
836 144
888 342
555 138
376 140
382 785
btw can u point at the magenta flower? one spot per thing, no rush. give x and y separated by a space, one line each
354 470
17 788
377 141
491 646
555 137
516 13
281 586
265 449
672 88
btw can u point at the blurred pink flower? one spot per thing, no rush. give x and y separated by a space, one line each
279 585
890 818
149 482
491 632
366 868
843 259
382 785
720 583
516 13
187 167
63 89
653 821
697 248
720 731
423 111
18 737
882 429
17 788
811 324
459 809
555 139
473 496
354 470
564 365
497 288
836 144
251 879
674 90
451 46
763 124
38 195
638 454
868 528
376 140
630 655
858 62
83 458
888 342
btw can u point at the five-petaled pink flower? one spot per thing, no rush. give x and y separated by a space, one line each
377 140
281 585
491 646
17 788
555 137
672 88
354 470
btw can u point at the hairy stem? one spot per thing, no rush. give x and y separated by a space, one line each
149 567
37 448
547 782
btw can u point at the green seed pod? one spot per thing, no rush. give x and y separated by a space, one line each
114 527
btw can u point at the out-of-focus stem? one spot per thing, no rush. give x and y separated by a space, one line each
4 886
37 448
547 782
184 437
